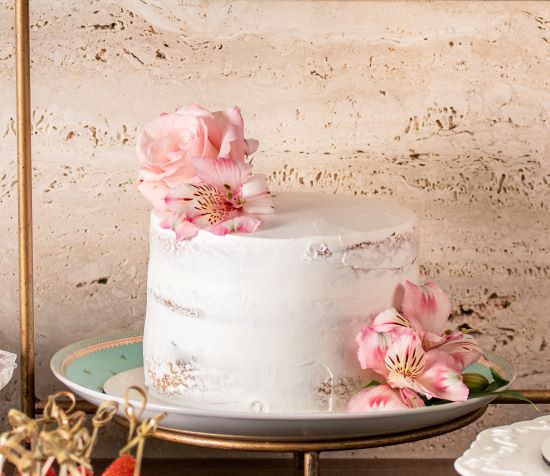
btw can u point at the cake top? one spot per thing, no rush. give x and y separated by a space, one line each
195 169
304 214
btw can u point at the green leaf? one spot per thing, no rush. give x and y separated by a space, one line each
435 401
503 393
498 379
372 383
517 396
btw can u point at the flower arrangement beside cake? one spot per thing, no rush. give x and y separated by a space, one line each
254 298
413 355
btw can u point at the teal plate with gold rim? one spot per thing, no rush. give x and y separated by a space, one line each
85 367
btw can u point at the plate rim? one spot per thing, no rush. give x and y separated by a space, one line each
61 358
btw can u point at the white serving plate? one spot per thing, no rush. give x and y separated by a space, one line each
100 369
512 450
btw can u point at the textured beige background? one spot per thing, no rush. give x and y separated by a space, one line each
441 106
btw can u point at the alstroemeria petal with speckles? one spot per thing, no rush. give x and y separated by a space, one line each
440 378
377 398
463 348
411 398
388 320
372 350
203 203
405 360
256 197
227 175
427 307
178 199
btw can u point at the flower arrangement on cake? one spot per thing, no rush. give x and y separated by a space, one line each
194 171
59 443
415 360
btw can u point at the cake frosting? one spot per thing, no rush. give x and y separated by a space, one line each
264 321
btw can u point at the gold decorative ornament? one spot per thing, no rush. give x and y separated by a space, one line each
61 437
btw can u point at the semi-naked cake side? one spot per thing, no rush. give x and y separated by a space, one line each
265 321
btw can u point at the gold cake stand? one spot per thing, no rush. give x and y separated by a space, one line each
307 452
30 404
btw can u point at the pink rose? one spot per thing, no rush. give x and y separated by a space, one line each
168 143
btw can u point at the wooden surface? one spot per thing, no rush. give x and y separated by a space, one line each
287 467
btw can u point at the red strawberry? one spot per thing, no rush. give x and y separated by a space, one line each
122 466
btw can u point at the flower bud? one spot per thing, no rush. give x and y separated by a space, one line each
475 382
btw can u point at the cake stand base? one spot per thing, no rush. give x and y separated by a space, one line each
307 452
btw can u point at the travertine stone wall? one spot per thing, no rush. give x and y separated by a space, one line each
442 106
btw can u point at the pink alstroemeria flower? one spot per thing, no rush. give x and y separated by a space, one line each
223 200
400 360
426 309
413 354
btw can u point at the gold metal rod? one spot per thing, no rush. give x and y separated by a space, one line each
24 173
311 463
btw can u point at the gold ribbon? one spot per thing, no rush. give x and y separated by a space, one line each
53 410
103 416
68 441
141 430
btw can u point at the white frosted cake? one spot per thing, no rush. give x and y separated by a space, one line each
264 321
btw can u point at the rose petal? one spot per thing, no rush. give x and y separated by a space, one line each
211 128
232 127
183 174
377 398
427 307
165 134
